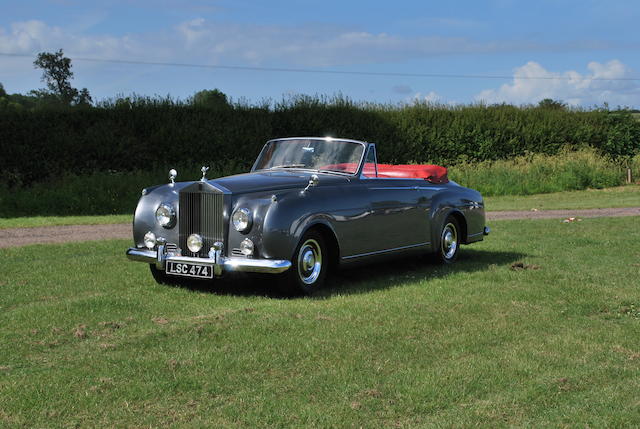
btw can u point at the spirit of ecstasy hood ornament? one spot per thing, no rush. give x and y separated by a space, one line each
204 173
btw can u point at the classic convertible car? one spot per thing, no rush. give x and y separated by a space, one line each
307 204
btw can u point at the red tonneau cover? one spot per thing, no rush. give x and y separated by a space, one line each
431 173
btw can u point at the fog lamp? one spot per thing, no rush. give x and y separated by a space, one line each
194 243
150 240
246 247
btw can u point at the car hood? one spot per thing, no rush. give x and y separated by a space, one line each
274 181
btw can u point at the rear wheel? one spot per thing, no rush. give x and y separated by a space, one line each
308 265
449 241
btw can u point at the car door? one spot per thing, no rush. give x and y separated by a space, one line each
398 209
398 216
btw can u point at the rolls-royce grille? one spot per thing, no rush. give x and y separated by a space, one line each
201 213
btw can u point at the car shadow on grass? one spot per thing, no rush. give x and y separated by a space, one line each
385 274
398 271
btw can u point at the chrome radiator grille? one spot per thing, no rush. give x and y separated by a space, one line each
201 213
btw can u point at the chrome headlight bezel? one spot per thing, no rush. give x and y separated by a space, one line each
242 220
166 215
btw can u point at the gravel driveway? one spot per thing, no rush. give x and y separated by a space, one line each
13 237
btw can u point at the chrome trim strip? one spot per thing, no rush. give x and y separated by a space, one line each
394 188
399 188
377 252
476 234
273 266
433 188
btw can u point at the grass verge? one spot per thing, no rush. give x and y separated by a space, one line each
29 222
621 196
540 174
88 339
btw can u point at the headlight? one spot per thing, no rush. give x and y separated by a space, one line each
194 243
242 220
150 240
166 215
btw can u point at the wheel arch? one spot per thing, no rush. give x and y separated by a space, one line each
462 222
330 239
439 219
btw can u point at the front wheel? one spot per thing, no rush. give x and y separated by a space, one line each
449 241
308 266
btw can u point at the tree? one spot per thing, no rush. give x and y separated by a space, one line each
212 98
551 104
57 75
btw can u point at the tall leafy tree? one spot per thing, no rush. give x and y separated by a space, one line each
57 74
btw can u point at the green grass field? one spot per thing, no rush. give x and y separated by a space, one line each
88 339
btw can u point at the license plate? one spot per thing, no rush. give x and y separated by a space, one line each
189 270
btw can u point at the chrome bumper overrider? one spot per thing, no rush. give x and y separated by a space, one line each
218 262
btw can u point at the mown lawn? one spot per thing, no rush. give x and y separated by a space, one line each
88 339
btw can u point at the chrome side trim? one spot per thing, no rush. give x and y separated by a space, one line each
218 263
476 234
402 188
377 252
394 188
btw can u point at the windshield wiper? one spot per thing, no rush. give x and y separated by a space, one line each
341 173
287 166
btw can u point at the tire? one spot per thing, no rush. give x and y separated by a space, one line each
309 266
448 241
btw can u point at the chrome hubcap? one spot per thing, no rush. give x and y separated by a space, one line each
449 241
309 261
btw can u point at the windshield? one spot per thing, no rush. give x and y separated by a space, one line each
321 155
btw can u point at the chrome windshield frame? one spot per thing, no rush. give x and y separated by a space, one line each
365 147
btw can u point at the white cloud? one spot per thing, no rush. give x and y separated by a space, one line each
430 97
570 86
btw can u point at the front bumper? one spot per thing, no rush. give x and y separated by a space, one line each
215 260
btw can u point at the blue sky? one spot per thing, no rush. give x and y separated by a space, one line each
568 42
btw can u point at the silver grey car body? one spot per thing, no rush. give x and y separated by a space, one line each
360 218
